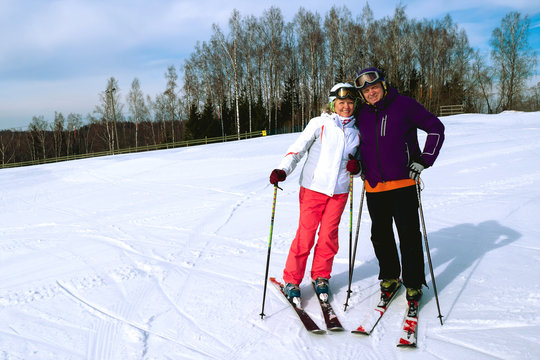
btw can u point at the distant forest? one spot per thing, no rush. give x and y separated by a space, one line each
265 73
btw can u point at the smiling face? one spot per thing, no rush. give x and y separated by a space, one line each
373 93
344 107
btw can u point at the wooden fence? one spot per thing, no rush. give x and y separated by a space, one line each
446 110
139 149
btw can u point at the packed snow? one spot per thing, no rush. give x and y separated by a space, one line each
161 255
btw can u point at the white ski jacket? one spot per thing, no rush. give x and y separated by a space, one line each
328 143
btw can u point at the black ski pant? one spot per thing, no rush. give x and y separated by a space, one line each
401 207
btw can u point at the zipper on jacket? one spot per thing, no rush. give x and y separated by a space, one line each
377 142
383 126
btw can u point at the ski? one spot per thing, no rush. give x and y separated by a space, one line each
410 322
373 318
330 317
307 321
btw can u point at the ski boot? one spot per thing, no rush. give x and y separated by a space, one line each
291 290
388 288
413 294
321 288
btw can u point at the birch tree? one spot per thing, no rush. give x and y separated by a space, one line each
514 60
137 107
58 133
38 132
171 100
231 50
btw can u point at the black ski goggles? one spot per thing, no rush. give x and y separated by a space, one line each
367 78
345 92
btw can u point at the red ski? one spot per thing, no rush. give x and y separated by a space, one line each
306 320
373 318
410 324
330 317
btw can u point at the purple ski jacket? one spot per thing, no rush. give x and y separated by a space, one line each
389 142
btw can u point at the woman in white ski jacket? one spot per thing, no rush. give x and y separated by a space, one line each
330 141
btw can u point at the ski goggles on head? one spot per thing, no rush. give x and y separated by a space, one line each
345 92
367 78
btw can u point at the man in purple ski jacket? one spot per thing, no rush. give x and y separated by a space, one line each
392 162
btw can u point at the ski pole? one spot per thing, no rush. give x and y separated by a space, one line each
427 251
269 249
350 223
351 261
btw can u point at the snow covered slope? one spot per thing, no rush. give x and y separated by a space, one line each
161 255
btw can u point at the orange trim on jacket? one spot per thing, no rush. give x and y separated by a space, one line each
389 185
291 153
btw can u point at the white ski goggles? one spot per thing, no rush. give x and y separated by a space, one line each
367 78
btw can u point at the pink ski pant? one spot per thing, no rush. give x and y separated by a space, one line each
315 209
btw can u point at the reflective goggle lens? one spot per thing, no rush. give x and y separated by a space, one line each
366 78
343 93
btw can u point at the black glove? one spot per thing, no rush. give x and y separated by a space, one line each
415 169
276 176
353 165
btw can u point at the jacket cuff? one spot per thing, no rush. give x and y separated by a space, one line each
421 161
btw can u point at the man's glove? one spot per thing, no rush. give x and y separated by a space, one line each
353 165
276 176
415 169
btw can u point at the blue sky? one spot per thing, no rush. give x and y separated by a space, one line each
58 55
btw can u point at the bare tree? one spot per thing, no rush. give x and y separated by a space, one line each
291 70
363 29
74 123
311 48
38 132
171 99
271 38
58 133
137 106
161 114
151 118
217 79
231 50
393 48
513 57
342 39
248 50
461 87
534 97
109 112
435 45
482 78
7 151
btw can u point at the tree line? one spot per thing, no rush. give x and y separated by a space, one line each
266 73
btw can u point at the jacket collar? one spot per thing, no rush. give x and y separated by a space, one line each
342 122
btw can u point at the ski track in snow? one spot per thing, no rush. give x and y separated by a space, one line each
111 332
154 256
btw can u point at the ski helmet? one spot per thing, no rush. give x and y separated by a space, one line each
368 77
342 91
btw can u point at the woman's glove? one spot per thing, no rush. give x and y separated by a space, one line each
276 176
353 165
